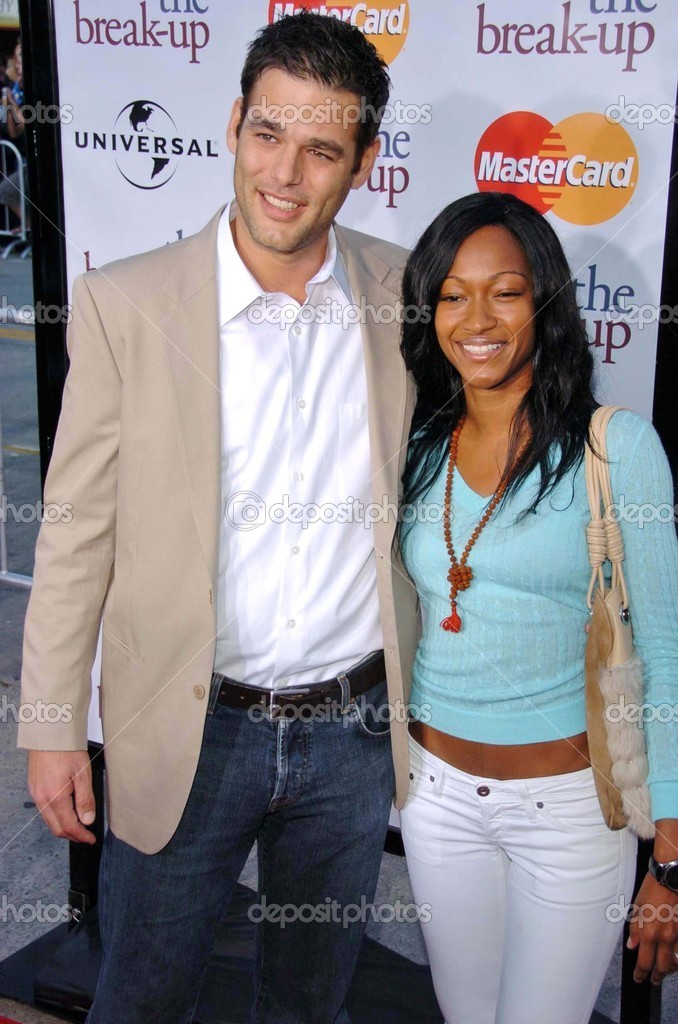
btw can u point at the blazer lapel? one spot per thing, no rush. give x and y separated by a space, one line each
390 399
192 344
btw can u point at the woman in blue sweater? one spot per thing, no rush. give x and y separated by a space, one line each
503 831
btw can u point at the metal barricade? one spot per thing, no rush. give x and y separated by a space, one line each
14 579
11 160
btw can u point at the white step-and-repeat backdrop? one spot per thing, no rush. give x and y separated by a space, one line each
569 105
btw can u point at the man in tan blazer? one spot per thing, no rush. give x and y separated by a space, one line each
243 686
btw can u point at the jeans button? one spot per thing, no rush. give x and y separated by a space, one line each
483 791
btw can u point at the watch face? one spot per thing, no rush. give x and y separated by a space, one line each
671 878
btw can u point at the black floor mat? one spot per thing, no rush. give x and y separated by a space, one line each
58 972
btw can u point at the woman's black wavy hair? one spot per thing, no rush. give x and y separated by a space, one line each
558 406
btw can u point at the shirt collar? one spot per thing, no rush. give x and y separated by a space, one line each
238 289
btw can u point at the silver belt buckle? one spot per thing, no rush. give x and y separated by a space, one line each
274 710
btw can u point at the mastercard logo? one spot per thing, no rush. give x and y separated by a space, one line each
385 24
583 169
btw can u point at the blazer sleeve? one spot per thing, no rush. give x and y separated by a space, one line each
76 544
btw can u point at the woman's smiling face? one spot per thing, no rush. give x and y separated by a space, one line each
485 312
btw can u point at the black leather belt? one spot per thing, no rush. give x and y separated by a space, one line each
233 694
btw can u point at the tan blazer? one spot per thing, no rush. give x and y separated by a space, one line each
137 458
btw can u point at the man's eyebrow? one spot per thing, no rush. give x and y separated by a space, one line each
328 144
265 124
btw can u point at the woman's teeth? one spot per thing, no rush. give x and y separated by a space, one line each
479 350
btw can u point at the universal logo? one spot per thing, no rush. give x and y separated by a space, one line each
146 144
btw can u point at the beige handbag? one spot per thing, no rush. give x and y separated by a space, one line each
614 673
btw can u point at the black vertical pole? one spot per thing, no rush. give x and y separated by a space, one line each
46 204
641 1004
666 372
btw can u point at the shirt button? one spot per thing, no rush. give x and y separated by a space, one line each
301 404
298 476
296 549
296 329
291 623
483 791
199 692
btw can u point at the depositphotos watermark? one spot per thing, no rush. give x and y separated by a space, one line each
39 113
38 313
38 712
331 111
34 512
333 912
624 511
247 510
640 714
665 913
332 311
329 710
29 913
642 316
640 114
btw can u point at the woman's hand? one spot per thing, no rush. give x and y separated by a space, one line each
654 930
654 924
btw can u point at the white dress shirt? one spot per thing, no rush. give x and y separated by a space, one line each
297 596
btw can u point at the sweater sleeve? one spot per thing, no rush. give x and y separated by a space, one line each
642 490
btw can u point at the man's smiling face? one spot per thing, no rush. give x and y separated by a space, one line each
291 176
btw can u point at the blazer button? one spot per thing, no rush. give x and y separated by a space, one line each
199 692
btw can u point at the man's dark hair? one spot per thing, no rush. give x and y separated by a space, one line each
557 407
330 52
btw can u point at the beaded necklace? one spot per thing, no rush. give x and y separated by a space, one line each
460 573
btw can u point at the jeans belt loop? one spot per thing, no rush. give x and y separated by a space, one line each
215 686
527 799
439 783
346 700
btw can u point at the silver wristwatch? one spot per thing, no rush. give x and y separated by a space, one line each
665 873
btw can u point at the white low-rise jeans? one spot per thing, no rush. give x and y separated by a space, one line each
526 887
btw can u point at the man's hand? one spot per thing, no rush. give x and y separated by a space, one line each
60 782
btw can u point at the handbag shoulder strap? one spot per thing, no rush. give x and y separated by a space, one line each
603 534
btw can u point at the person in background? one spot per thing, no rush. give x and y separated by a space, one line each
13 124
503 830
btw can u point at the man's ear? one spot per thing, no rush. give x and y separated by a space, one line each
233 127
366 163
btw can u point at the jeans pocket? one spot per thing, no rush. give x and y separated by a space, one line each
573 809
371 712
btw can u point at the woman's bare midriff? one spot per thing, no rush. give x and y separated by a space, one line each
499 761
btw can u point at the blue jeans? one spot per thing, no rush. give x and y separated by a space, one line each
316 796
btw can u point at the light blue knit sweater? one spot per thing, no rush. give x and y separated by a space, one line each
515 673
